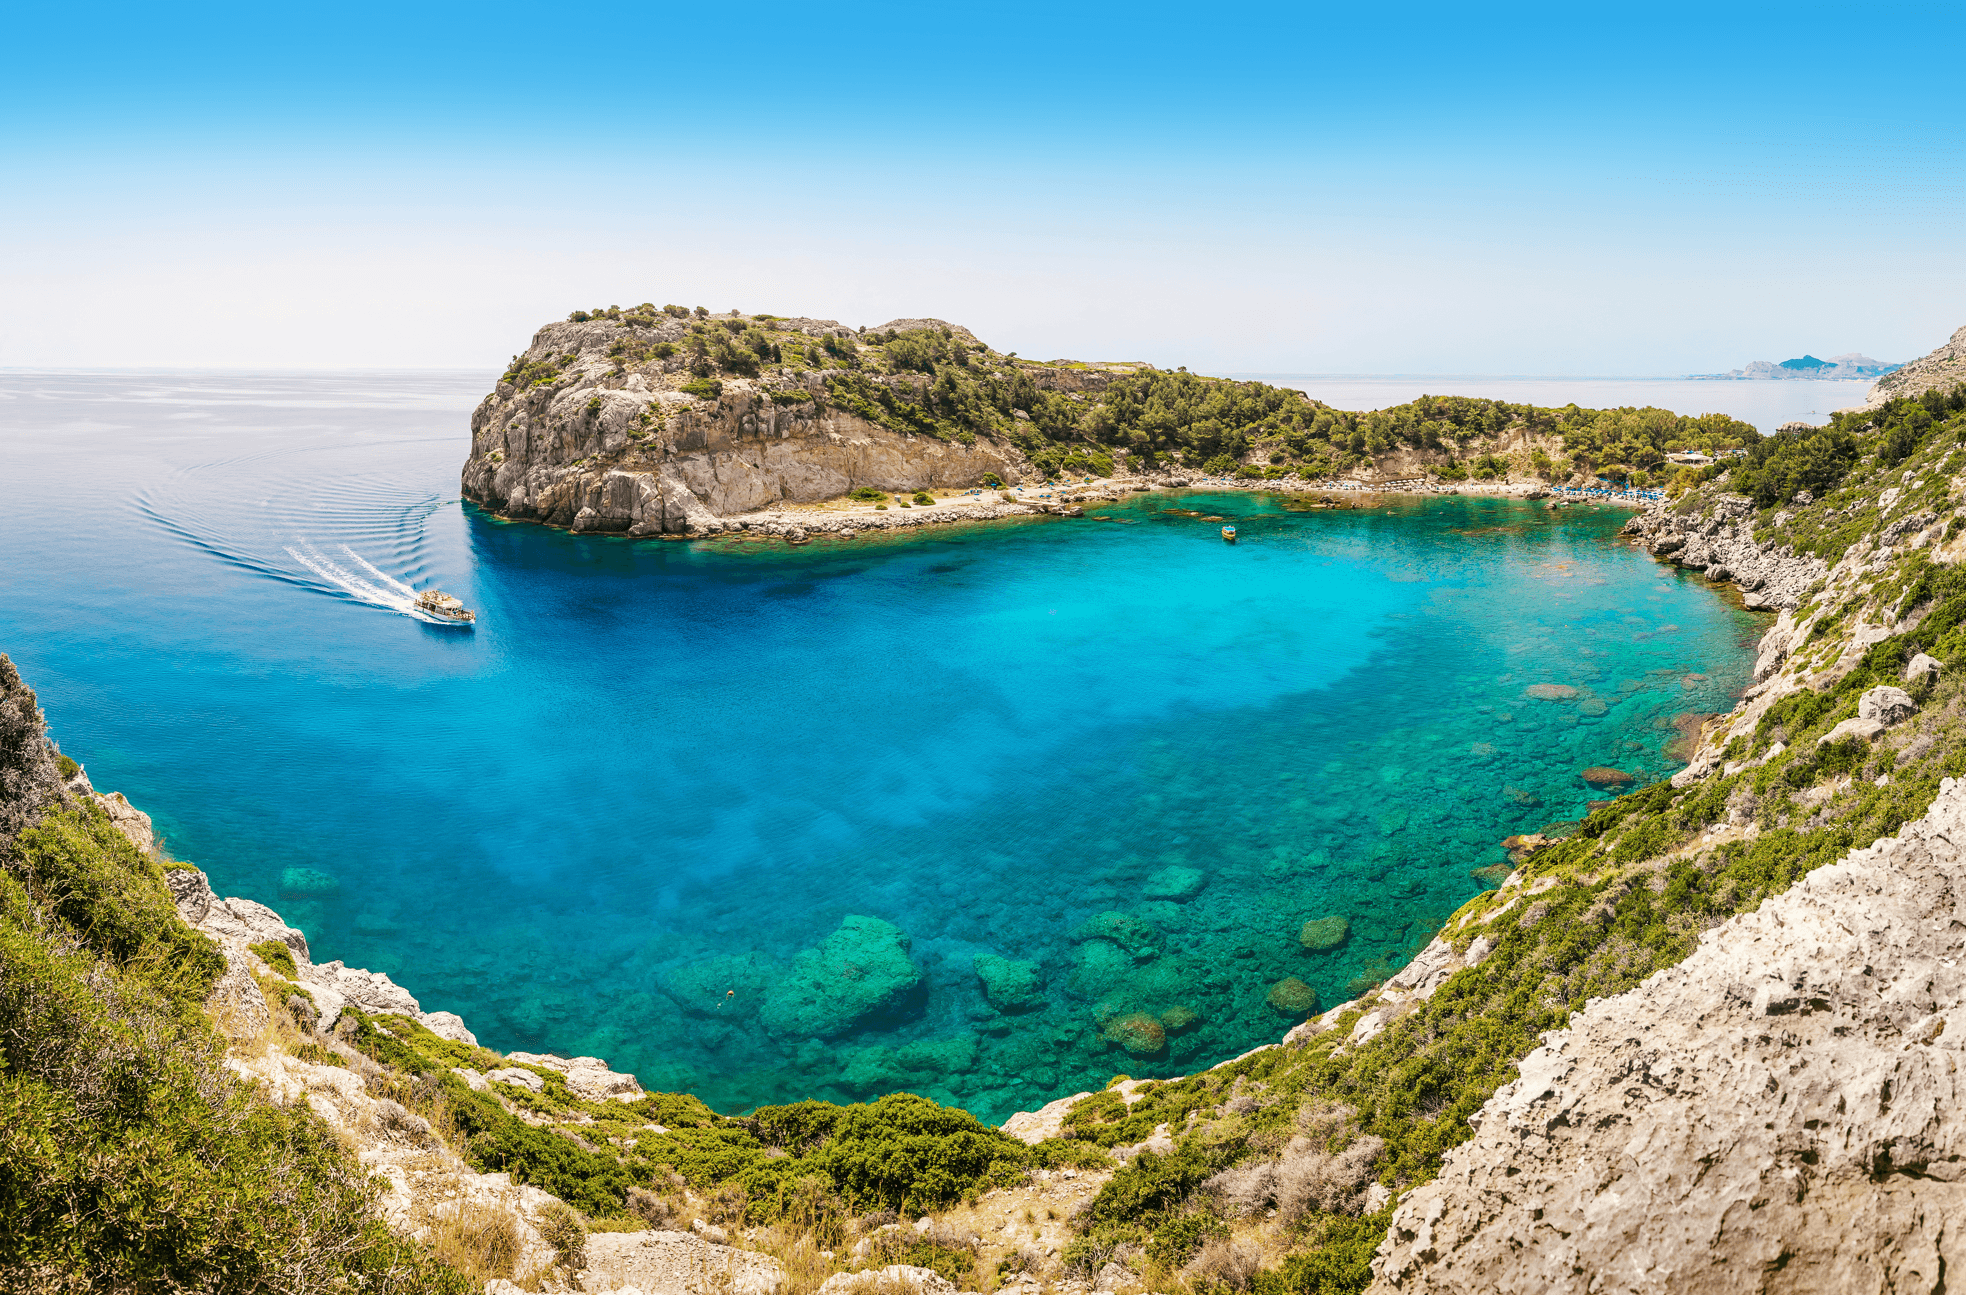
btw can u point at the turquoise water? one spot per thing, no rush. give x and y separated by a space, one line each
609 819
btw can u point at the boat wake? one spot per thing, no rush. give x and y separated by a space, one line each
300 493
375 586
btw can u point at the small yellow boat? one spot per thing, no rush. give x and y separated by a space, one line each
1229 534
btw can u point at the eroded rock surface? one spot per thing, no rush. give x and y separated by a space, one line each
1776 1113
676 1263
1721 543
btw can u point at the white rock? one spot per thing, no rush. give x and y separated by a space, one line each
1048 1121
514 1075
1867 729
1886 704
588 1077
895 1279
1922 667
1781 1102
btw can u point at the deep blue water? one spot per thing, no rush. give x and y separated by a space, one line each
650 755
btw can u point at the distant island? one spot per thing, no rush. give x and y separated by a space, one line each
1851 365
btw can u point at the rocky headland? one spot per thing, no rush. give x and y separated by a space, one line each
670 422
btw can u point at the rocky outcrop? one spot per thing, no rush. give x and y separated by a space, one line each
1720 541
594 448
676 1263
1944 368
1773 1114
238 924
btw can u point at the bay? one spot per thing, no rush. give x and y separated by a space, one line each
612 818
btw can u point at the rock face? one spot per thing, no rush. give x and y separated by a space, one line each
1886 705
596 450
1776 1113
1944 367
859 973
677 1263
1769 575
238 923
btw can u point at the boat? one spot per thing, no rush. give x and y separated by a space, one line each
1229 534
437 603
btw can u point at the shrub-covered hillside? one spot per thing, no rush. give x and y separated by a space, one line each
934 379
130 1160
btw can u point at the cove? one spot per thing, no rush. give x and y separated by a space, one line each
615 817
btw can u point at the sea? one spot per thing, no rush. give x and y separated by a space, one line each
742 818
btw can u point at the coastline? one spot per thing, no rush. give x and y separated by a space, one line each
843 518
1348 1028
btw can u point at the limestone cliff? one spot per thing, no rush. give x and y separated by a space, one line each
602 426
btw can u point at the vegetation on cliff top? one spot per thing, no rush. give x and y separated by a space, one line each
1069 417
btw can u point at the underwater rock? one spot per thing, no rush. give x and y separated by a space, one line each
1175 883
1103 968
1137 1032
1010 986
1592 706
307 883
731 985
1550 691
1139 939
1601 776
1520 796
857 973
1176 1019
1292 997
1321 933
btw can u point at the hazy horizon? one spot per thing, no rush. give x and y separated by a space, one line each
1328 190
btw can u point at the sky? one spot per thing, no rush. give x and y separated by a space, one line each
1612 189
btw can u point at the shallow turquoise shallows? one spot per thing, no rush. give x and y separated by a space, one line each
610 819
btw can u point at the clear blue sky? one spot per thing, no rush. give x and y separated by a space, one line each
1565 189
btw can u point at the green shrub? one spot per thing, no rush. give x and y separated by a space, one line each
1176 1240
867 495
67 766
275 954
80 870
704 387
130 1159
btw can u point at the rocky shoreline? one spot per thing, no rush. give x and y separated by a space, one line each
1718 541
844 519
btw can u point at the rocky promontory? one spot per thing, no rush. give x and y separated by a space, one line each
668 421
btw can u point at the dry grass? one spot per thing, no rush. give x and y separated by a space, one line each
807 1263
478 1239
1224 1265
